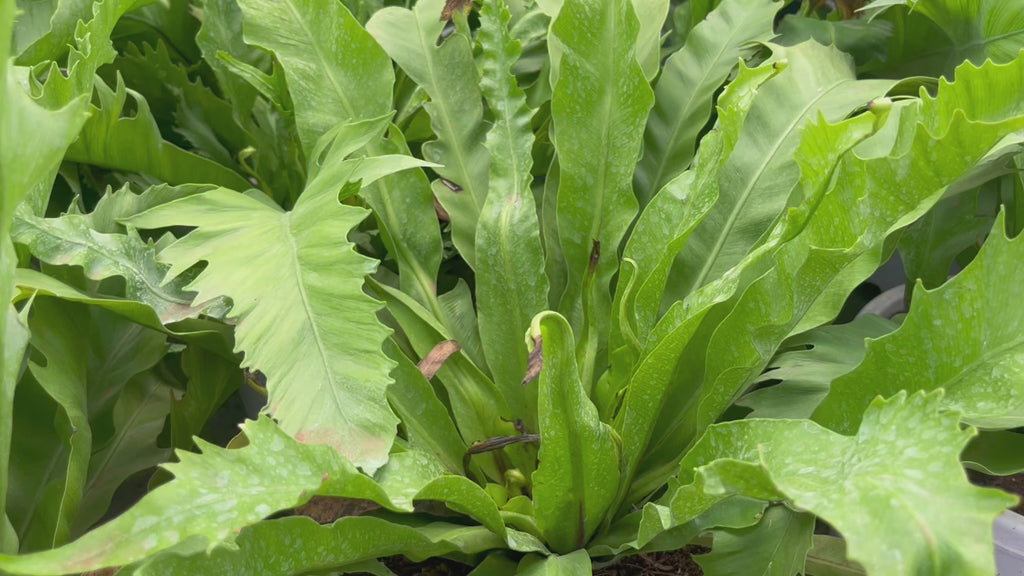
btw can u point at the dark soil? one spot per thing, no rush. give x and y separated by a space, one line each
1012 484
678 563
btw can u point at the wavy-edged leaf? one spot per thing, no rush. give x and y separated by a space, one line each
213 495
979 362
209 334
842 241
447 73
652 380
685 91
335 71
122 203
598 108
775 546
70 240
891 527
403 205
809 365
508 243
33 139
577 478
296 287
757 179
672 215
63 20
134 144
269 547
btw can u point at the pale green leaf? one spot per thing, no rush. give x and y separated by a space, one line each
979 362
891 527
337 73
678 343
273 547
776 546
296 286
447 72
663 229
213 495
842 241
685 91
758 177
577 478
123 203
508 243
69 240
63 21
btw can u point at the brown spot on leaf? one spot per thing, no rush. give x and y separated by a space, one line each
442 214
534 362
436 358
451 6
452 186
595 257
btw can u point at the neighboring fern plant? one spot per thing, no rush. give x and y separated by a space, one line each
593 314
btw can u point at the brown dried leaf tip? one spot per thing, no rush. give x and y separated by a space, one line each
450 6
436 358
535 361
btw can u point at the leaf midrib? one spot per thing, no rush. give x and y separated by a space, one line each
446 117
730 222
320 57
307 310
